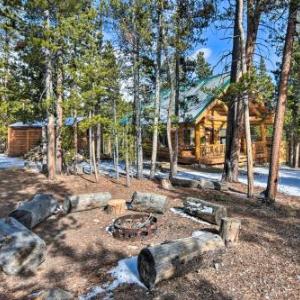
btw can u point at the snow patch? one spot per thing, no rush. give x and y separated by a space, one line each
202 208
7 162
181 213
125 272
198 233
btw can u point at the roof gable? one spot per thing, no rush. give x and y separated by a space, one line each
194 99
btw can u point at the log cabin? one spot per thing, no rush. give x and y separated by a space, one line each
203 122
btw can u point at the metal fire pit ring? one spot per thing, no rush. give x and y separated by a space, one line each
134 226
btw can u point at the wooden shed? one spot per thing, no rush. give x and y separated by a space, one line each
23 136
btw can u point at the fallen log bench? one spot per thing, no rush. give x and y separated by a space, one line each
184 182
148 202
204 210
20 249
164 261
83 202
31 213
212 185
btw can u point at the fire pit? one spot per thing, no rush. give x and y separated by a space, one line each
134 226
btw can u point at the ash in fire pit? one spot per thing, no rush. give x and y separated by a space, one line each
134 226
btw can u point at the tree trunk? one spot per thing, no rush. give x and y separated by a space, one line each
93 158
86 201
246 105
116 140
21 250
49 100
281 104
230 230
171 106
98 144
59 123
297 153
148 202
75 140
164 261
137 102
291 149
51 147
207 211
234 109
157 94
90 141
33 212
253 21
127 164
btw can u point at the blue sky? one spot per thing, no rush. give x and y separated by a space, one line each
219 42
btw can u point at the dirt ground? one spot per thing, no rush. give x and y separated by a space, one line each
265 264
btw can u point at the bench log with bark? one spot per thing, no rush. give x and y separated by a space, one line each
204 210
148 202
31 213
20 249
83 202
164 261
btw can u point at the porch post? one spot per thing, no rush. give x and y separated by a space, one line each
197 142
264 140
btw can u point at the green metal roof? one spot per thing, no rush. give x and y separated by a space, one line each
195 99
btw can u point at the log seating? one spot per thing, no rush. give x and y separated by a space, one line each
116 207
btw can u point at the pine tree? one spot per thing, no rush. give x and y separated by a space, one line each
203 69
281 104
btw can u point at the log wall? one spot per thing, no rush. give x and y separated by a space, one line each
21 140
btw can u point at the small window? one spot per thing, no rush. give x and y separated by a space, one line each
187 137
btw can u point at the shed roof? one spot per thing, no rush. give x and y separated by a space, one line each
69 121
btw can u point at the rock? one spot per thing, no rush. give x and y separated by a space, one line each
20 249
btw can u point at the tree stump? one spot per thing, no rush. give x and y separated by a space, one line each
207 211
116 207
166 184
148 202
164 261
20 249
33 212
229 230
86 201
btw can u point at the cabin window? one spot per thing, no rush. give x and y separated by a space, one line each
255 133
222 136
187 137
163 139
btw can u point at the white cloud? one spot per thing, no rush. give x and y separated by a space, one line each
207 53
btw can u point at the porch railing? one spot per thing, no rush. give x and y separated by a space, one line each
212 150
